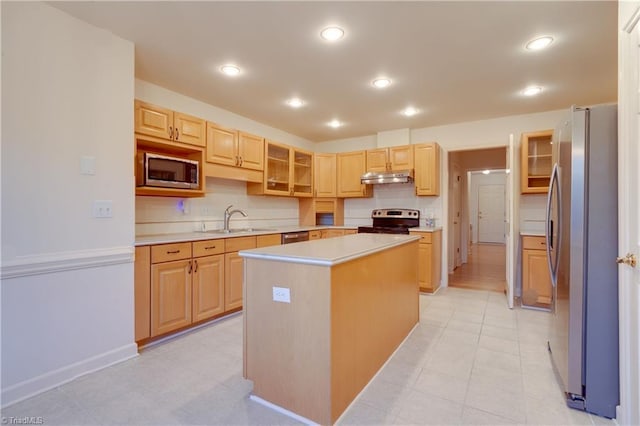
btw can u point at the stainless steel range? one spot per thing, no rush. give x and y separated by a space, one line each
392 221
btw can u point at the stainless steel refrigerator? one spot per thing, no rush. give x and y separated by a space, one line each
582 243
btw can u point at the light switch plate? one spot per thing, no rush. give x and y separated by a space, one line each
87 165
282 294
102 208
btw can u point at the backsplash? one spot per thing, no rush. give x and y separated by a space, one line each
161 215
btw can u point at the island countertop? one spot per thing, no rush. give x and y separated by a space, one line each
330 251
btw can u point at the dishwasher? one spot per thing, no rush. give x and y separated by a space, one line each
294 237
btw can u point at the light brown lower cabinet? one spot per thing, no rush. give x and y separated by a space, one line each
208 287
536 282
315 235
170 296
429 260
180 284
331 233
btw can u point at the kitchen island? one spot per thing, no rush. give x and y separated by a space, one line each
322 317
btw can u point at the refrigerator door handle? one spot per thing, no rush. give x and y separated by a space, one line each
554 185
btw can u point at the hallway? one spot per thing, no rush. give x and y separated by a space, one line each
485 269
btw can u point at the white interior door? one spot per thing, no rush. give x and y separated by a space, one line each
629 211
491 213
511 224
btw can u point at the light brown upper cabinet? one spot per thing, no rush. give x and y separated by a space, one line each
288 171
164 123
536 162
390 159
427 168
324 175
350 167
232 148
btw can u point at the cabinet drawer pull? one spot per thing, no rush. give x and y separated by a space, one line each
210 248
173 252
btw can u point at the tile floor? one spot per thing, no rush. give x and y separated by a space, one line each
470 360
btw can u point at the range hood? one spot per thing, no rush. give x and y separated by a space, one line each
403 176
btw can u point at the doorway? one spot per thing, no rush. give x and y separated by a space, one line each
477 252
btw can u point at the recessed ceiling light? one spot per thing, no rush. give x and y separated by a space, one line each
334 123
486 172
230 70
295 102
532 90
381 83
539 43
409 111
332 33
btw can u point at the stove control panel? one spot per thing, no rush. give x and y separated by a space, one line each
396 213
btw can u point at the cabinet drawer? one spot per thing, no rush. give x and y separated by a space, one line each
425 237
168 252
315 235
239 243
268 240
208 247
534 243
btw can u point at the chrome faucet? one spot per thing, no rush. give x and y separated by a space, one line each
228 214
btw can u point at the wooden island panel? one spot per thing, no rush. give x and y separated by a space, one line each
313 356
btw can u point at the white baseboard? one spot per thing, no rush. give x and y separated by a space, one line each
28 388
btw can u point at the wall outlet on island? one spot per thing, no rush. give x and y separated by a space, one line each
281 294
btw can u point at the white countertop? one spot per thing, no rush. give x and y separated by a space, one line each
330 251
145 240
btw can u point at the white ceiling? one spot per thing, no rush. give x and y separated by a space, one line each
455 61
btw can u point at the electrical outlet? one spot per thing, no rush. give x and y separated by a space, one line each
281 294
103 208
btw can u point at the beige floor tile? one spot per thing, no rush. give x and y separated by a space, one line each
441 385
363 413
543 411
473 416
501 332
493 398
490 318
499 345
421 409
456 337
497 360
467 327
461 315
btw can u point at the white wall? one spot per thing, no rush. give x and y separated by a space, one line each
67 278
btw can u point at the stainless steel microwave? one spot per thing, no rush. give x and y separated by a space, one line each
167 172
